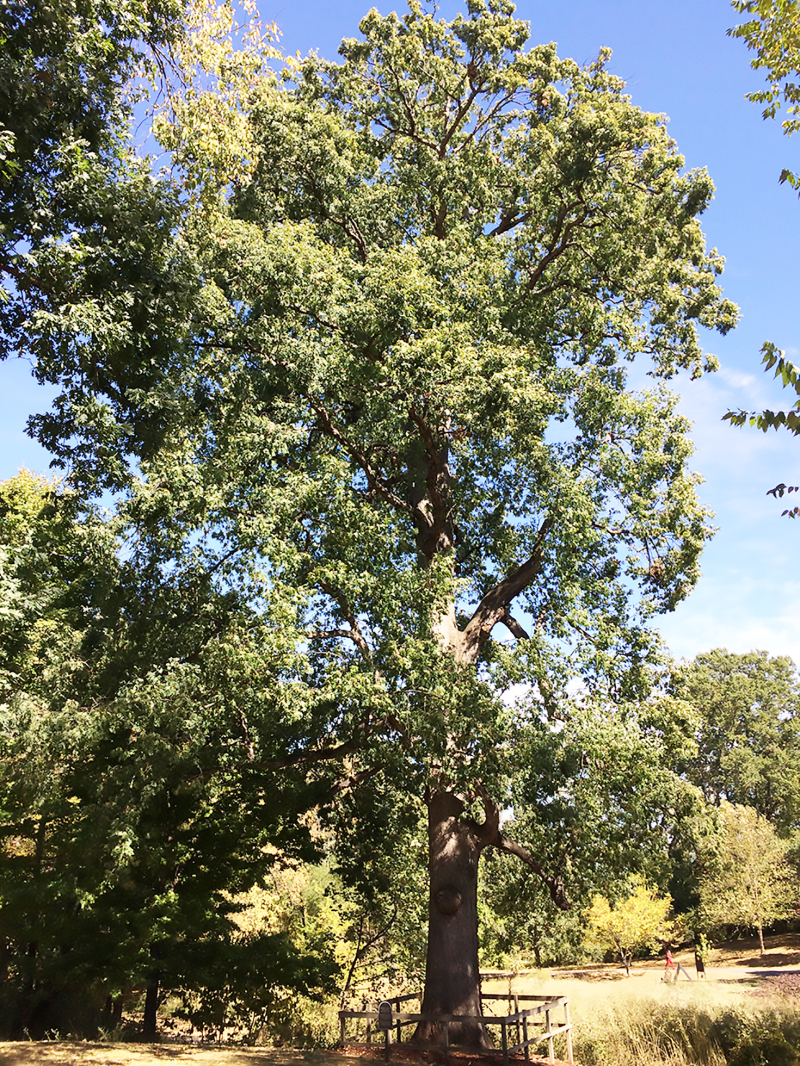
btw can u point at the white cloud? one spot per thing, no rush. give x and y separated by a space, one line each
736 379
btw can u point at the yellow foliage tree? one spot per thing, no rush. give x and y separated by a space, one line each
639 920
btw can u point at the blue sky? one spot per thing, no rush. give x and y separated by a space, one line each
676 60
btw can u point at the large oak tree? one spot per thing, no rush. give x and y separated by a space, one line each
389 403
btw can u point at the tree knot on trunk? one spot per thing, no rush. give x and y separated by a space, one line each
447 900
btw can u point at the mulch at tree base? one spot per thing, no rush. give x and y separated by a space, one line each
409 1056
68 1053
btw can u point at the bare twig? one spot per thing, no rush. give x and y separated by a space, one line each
354 633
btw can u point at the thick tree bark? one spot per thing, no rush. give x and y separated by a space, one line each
452 977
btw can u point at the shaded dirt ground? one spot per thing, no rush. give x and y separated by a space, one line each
735 968
95 1054
89 1054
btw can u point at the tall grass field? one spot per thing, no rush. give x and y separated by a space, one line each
640 1021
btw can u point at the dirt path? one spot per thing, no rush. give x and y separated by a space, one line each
88 1054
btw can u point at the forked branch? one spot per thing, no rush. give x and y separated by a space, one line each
494 607
377 485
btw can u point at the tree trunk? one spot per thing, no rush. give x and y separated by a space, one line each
537 954
151 1010
452 978
761 938
112 1012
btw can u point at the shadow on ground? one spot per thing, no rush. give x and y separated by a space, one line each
771 959
97 1054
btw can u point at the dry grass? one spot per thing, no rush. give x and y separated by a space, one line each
739 1016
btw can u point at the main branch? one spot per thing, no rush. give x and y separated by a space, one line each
490 835
494 607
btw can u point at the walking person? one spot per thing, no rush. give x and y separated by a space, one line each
701 955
